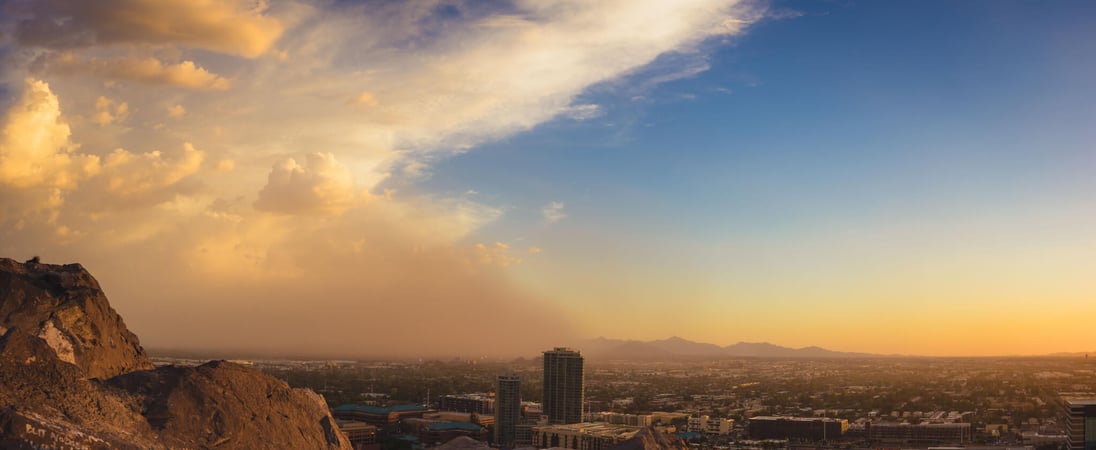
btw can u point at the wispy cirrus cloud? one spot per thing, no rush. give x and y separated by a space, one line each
553 212
215 179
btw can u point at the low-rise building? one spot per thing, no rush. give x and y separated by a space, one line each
632 420
362 436
479 403
384 418
441 432
802 428
582 436
957 433
710 425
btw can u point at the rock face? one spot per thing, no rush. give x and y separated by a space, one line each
64 306
651 439
252 410
73 376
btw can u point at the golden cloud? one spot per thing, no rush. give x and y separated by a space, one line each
321 185
185 74
108 111
236 27
128 175
34 148
216 255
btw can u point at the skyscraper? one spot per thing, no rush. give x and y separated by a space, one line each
1081 424
563 388
507 410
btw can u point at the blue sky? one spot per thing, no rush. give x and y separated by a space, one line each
972 118
853 175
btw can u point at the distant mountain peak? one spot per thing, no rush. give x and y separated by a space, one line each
679 347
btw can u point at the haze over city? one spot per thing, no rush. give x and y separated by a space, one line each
435 178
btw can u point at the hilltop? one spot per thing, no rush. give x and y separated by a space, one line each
72 375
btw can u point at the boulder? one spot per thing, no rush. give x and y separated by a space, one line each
73 376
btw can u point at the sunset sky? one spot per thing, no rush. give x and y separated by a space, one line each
495 178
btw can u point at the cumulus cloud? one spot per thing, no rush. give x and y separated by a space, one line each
321 185
185 74
237 27
42 169
108 111
553 212
130 176
34 149
233 235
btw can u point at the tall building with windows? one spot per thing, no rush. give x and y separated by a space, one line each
1081 424
507 410
563 385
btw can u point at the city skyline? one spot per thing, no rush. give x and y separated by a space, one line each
419 178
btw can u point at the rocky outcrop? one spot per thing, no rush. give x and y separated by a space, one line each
73 376
221 404
65 307
652 439
50 403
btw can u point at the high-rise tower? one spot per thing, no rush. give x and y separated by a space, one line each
507 410
563 388
1081 424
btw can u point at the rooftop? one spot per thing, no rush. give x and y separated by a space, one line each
593 428
354 425
925 425
378 409
796 419
445 426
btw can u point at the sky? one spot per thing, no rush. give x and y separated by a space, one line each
430 177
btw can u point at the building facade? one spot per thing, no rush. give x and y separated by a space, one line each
634 420
469 403
582 436
563 385
362 436
386 419
710 425
803 428
507 410
1081 424
957 433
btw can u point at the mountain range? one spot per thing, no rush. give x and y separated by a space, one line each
680 348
